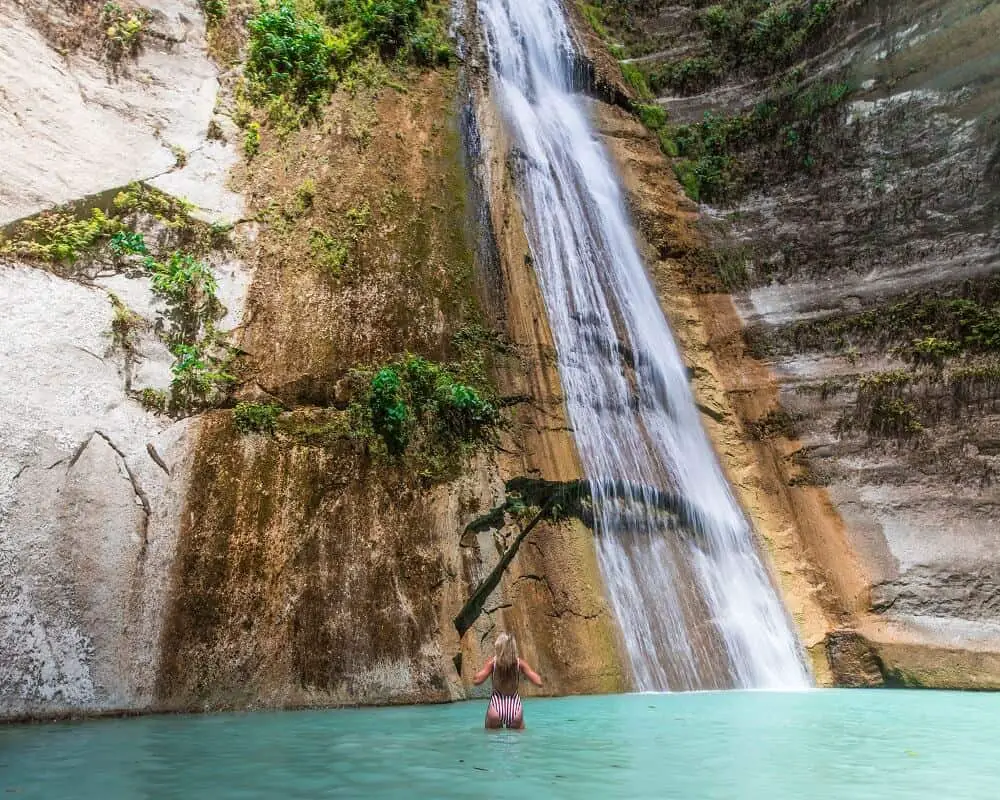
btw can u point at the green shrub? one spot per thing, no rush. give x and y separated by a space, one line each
417 398
389 413
122 30
635 78
429 44
215 10
783 124
893 416
153 399
652 116
687 176
720 22
687 76
183 279
932 350
288 54
140 198
331 253
124 325
128 243
256 417
763 35
199 379
294 55
251 140
387 23
594 14
56 236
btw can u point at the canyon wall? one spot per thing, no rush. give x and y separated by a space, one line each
158 554
844 159
197 510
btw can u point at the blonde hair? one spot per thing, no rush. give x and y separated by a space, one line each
505 648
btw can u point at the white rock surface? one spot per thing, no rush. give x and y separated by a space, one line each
88 518
69 128
82 568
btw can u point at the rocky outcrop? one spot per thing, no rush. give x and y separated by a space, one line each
91 482
868 406
333 575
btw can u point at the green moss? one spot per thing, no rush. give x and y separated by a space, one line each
256 417
636 78
330 253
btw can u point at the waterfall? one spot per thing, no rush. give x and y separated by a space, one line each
694 603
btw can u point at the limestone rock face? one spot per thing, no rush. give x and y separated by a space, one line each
908 215
845 277
73 123
92 483
87 517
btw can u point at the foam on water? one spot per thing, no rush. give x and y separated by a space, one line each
693 600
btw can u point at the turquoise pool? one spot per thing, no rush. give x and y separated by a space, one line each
885 745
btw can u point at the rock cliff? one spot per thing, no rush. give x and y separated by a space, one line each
844 158
198 508
280 390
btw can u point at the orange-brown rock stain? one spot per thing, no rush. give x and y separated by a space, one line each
309 571
801 532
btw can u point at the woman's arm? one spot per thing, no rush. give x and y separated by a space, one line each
528 672
484 673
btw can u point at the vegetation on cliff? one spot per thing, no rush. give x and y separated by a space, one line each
720 158
317 79
78 240
299 52
708 41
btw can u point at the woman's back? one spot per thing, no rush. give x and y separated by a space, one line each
505 677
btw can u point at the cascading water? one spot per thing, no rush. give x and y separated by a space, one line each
694 603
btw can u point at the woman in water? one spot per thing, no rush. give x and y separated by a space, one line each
505 703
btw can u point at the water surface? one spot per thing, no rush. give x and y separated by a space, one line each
848 745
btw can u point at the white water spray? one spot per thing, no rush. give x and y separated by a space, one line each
694 603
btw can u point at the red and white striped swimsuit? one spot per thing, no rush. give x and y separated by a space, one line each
507 707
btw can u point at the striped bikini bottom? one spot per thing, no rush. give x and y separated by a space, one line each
507 707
